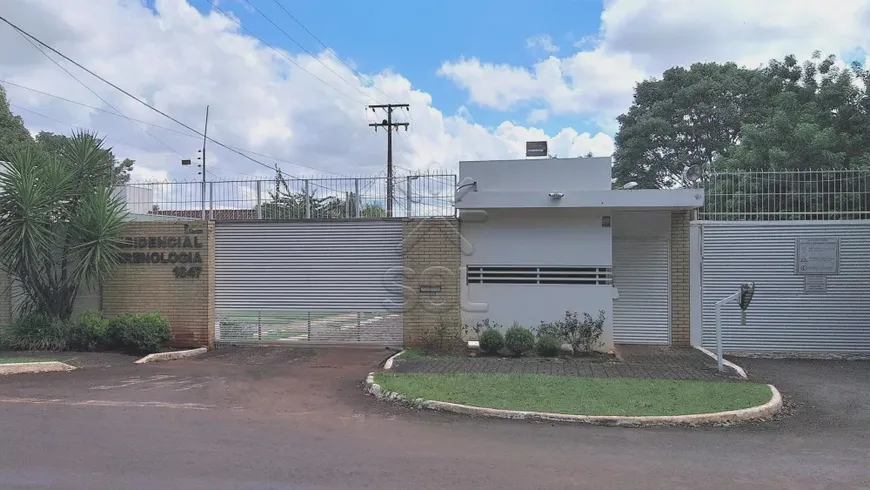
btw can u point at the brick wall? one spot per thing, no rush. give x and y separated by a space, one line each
431 257
147 281
680 310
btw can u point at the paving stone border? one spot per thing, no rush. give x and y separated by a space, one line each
34 367
824 356
388 364
171 356
725 362
765 410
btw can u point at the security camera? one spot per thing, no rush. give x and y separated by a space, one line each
464 186
557 195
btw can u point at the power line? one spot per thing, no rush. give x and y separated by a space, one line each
137 99
213 4
369 97
65 123
182 133
83 84
358 74
13 84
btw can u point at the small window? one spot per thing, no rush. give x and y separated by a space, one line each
497 274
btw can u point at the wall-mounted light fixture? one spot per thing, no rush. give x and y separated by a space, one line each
557 195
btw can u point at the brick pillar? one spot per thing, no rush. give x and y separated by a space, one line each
142 284
680 304
431 258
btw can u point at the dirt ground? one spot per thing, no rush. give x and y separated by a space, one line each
274 417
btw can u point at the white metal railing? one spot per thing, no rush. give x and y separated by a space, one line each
417 195
787 195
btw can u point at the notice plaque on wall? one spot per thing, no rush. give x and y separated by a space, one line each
815 284
817 255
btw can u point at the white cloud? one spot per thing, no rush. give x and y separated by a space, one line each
642 38
181 60
543 42
537 116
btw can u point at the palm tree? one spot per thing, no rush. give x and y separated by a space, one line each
60 222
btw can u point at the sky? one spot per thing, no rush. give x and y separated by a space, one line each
290 80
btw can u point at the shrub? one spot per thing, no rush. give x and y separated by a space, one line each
480 327
548 346
36 331
444 338
139 333
86 331
491 341
549 330
590 338
519 340
583 335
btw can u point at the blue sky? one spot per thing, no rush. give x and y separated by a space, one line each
181 60
414 38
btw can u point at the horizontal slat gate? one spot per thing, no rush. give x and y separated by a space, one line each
320 282
641 275
782 317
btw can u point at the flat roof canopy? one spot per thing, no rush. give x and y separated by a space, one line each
638 199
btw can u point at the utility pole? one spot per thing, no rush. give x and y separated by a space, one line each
389 125
204 140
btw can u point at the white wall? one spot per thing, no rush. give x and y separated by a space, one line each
138 200
539 174
538 237
639 224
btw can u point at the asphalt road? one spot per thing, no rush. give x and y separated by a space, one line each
265 418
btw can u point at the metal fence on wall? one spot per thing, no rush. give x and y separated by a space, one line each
316 198
787 195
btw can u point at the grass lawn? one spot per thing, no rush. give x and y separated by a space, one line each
575 395
13 360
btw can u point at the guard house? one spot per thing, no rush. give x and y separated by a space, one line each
550 235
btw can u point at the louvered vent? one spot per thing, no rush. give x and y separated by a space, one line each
492 274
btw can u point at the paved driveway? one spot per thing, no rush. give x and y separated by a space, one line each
275 418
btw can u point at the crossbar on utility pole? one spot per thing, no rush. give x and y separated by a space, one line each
389 125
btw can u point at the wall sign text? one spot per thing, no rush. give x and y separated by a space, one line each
182 250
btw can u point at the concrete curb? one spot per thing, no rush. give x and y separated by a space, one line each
758 412
739 370
34 367
171 356
388 364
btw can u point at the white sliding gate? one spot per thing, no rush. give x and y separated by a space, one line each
322 282
792 311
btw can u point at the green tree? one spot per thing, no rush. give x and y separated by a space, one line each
13 135
54 144
372 210
820 120
286 204
60 223
689 116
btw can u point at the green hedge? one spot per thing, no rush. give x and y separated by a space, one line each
142 333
